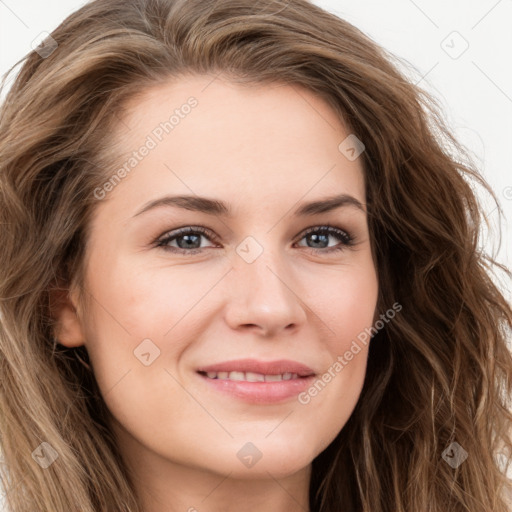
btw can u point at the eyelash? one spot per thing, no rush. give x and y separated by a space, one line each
347 240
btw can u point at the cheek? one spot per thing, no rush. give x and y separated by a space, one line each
133 305
345 303
347 311
135 302
139 311
144 303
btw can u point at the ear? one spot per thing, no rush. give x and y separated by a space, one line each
64 309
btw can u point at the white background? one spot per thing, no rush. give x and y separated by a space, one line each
475 89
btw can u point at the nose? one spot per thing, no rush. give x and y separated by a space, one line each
261 296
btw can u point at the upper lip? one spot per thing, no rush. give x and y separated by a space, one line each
264 367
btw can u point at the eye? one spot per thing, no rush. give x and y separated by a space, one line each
320 235
188 239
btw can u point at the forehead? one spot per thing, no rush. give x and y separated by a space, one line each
243 143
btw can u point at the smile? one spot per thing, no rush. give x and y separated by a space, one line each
273 389
250 376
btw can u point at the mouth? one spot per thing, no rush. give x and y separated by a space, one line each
252 370
251 376
258 382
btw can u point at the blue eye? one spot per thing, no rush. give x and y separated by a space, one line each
319 234
190 234
188 239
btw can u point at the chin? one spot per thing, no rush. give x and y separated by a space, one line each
258 459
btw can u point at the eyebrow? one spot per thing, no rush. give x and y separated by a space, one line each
219 208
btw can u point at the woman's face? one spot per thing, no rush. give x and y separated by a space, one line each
253 285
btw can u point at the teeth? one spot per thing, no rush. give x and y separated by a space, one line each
251 376
236 376
273 378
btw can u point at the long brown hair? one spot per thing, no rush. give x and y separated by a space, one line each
438 374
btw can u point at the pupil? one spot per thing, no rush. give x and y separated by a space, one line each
188 237
316 236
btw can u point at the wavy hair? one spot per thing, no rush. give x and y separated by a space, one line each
439 373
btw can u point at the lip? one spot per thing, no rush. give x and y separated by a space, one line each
260 392
265 367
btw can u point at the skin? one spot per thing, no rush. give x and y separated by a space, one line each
264 150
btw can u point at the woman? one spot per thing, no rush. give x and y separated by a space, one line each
142 373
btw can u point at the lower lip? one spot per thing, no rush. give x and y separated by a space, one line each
261 392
